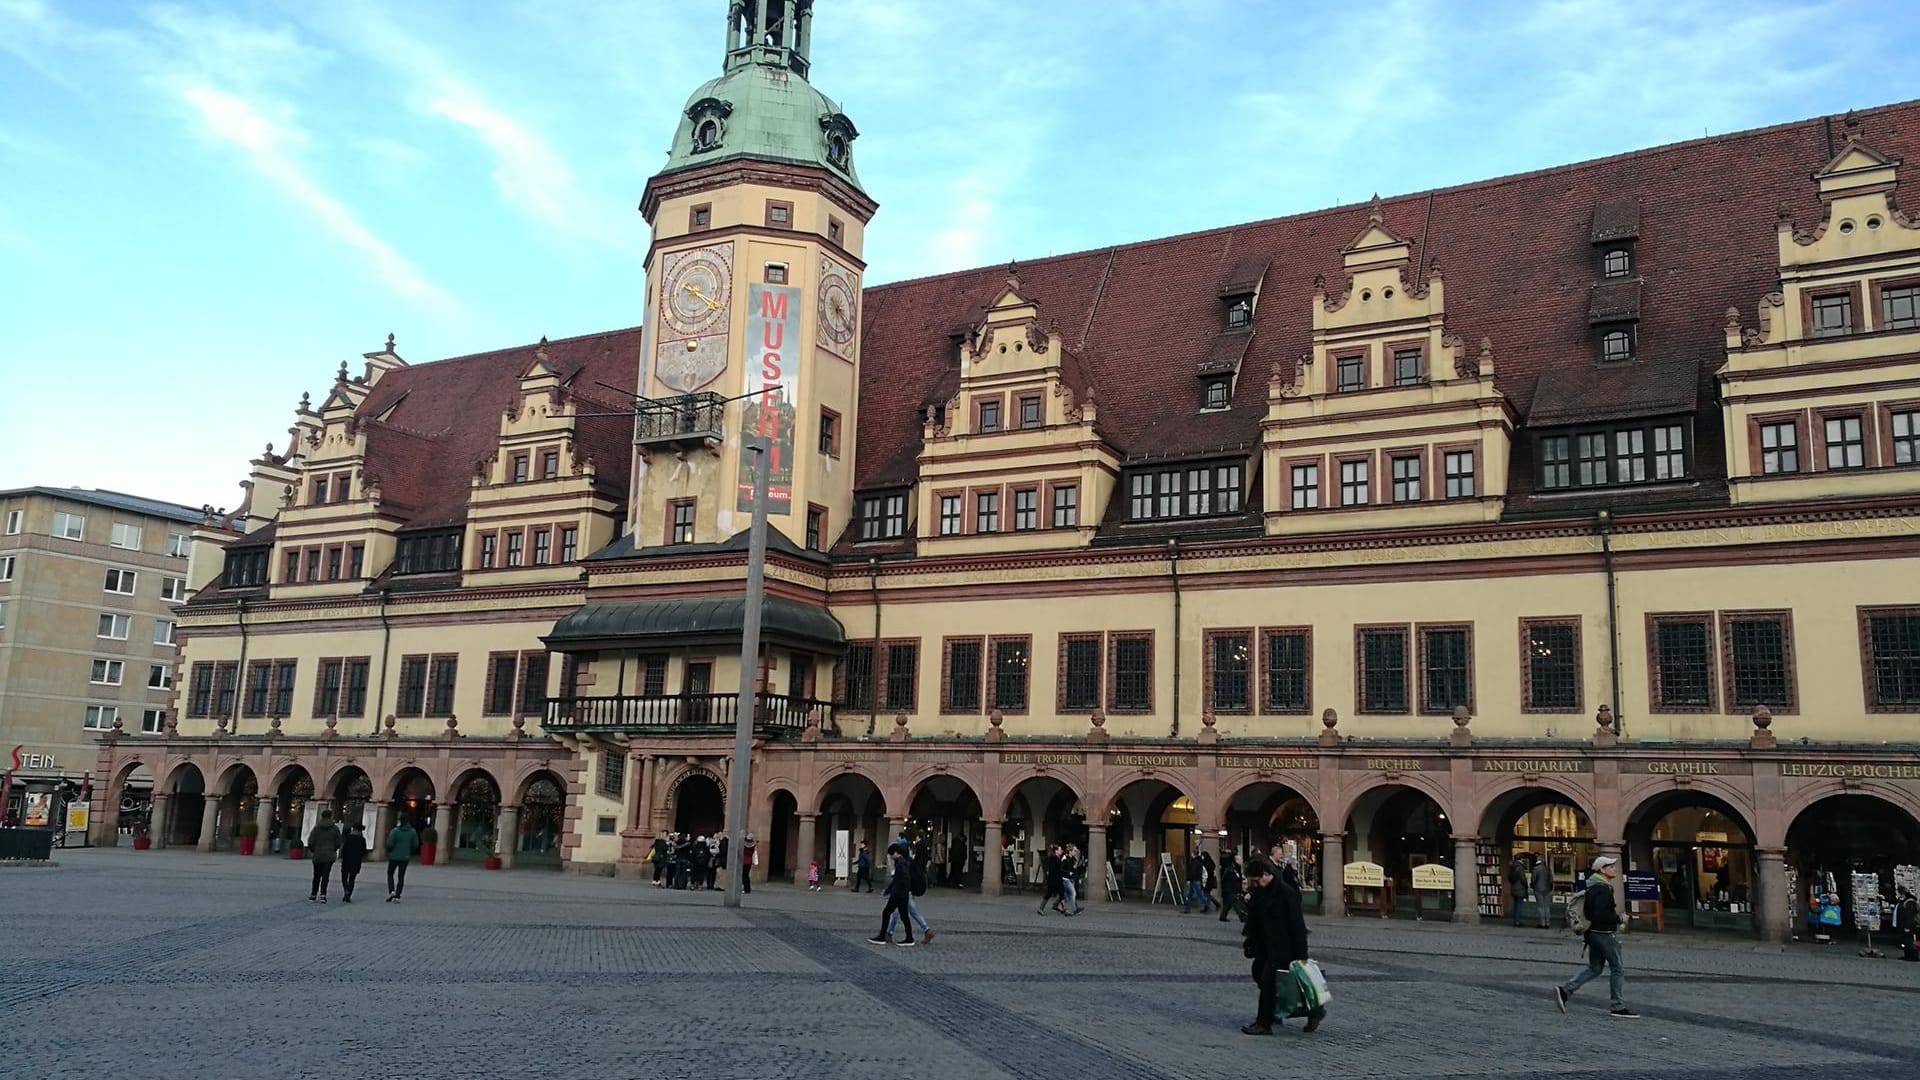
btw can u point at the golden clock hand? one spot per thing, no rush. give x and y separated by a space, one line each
700 294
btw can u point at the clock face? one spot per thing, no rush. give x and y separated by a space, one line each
837 316
697 290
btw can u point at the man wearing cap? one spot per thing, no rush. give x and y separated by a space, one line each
1602 939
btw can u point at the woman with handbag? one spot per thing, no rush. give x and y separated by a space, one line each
1276 936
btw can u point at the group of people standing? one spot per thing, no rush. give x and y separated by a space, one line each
328 843
684 861
1529 878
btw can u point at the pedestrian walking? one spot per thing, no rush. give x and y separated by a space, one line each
323 846
1518 882
1542 890
402 843
1906 918
1210 880
353 852
1598 921
1196 887
899 896
917 880
1070 879
813 875
863 868
1233 898
722 847
1050 873
658 857
1276 936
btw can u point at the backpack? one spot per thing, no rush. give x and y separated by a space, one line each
917 879
1579 921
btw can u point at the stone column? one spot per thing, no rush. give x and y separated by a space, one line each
1770 910
1210 842
382 821
1333 861
209 820
1466 881
990 868
804 853
1096 862
506 835
444 814
641 819
263 821
157 820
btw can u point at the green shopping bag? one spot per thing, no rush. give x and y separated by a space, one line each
1313 985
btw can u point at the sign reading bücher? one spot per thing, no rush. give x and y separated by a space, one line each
1366 875
1435 876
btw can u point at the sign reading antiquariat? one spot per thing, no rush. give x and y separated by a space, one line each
1532 765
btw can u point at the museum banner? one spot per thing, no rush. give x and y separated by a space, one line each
773 361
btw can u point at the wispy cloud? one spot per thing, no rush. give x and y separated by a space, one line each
267 144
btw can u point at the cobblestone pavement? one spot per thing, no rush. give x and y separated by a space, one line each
161 964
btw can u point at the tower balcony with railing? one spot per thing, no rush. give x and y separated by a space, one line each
683 421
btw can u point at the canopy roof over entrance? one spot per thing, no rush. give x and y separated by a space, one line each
716 620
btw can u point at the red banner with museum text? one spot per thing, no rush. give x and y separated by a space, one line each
773 359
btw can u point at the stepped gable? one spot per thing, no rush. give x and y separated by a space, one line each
1517 254
427 424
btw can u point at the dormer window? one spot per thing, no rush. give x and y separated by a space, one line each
883 516
1216 393
837 150
706 135
709 116
1239 312
1616 344
1616 262
245 569
839 133
1206 489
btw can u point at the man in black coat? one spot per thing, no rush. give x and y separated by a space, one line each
899 895
1276 937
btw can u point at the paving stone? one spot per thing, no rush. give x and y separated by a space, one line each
174 964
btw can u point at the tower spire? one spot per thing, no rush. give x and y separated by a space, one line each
777 33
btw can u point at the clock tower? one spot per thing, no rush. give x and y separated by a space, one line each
753 297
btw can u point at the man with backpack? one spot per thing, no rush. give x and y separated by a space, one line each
1594 917
916 886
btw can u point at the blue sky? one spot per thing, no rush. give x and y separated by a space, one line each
204 208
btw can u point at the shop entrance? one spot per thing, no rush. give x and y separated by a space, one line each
1150 818
543 812
1041 812
1265 815
1843 835
945 816
782 838
1540 827
1399 828
851 810
1701 850
291 797
189 802
413 802
477 805
239 813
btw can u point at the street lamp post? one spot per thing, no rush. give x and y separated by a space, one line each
739 781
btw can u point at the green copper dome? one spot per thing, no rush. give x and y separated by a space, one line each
763 108
768 113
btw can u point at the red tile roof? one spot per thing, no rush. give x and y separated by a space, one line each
1517 255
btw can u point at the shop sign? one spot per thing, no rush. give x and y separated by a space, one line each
1642 885
856 755
1036 757
1851 770
1435 876
1151 761
1262 761
1687 767
1532 765
78 815
955 757
39 809
25 759
1392 764
1365 875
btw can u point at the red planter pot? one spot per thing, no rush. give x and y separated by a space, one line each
427 852
246 844
296 853
141 843
492 863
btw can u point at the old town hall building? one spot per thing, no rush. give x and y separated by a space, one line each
1557 514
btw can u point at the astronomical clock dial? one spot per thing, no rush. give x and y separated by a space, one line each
838 317
698 288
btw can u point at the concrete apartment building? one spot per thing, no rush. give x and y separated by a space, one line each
89 585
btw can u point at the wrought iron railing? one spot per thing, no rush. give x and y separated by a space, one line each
689 417
632 712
